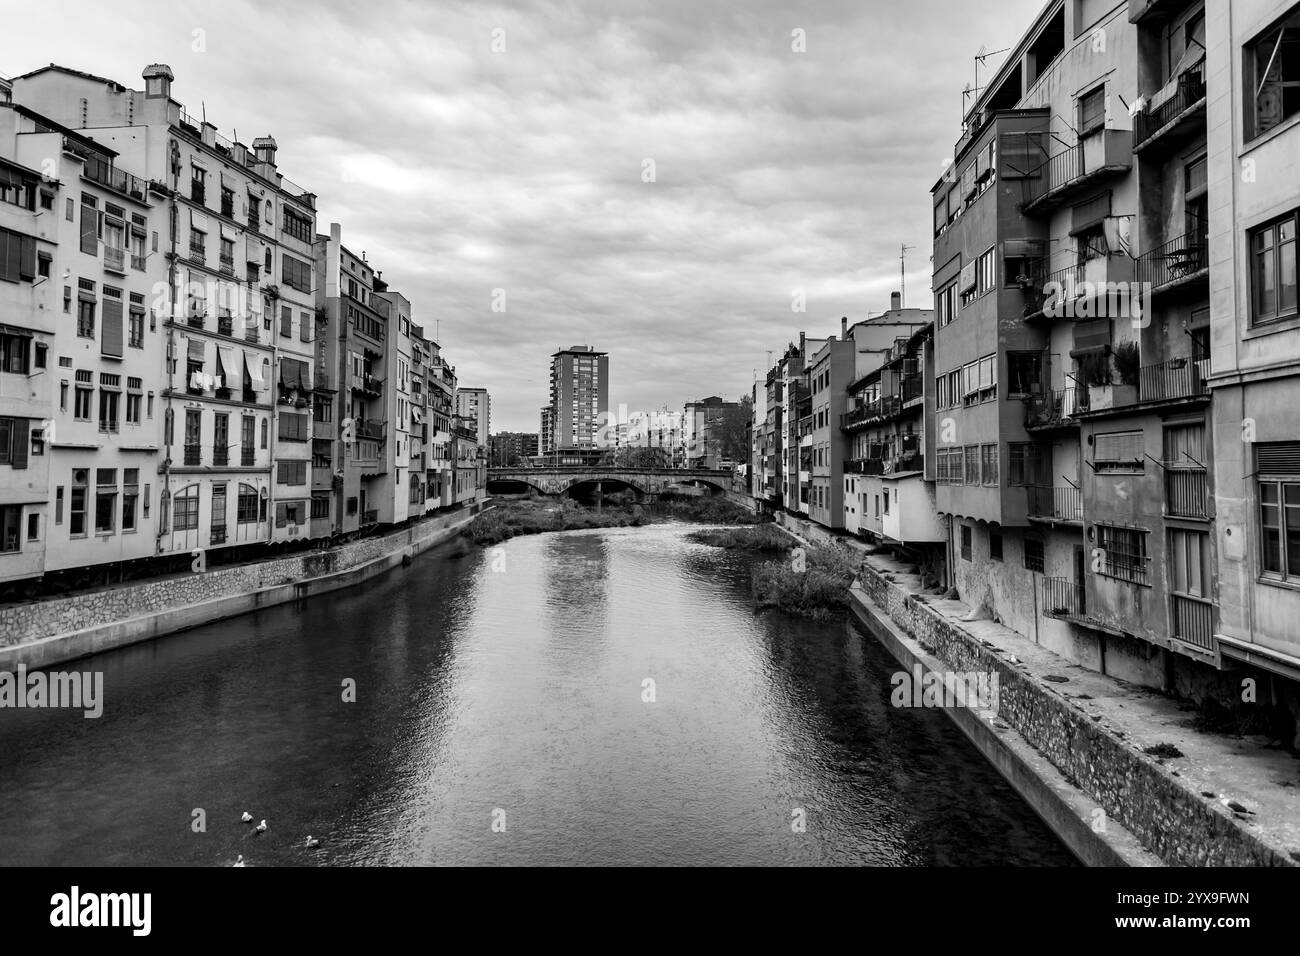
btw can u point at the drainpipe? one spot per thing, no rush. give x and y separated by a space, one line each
173 274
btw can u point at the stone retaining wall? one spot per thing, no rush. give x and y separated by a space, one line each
1167 817
44 632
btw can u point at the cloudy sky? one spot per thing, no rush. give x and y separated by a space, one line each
656 179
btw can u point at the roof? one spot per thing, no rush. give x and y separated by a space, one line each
71 72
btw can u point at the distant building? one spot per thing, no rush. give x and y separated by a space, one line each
475 404
571 428
701 448
512 448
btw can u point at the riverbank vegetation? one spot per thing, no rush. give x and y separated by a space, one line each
812 582
511 517
760 537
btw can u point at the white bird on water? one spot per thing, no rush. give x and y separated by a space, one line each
240 861
261 827
247 817
312 841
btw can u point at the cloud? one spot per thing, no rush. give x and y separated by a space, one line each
460 170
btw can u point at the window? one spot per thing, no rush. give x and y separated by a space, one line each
989 463
1272 76
86 317
221 439
1034 555
291 472
995 545
84 396
198 185
33 527
246 511
1090 243
185 509
965 542
297 274
130 497
985 272
297 225
246 441
108 407
135 328
193 436
15 353
1025 463
217 521
11 517
227 202
1278 481
972 464
1273 270
265 431
77 502
1124 553
286 320
1092 111
1024 372
1189 564
320 506
14 441
979 380
946 303
1119 452
105 500
198 244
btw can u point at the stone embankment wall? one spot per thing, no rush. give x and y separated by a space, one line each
1168 818
43 633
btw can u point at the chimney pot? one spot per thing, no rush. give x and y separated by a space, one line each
158 80
844 326
896 300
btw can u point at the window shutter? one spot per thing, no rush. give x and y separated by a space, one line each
1090 213
89 229
1119 446
27 257
1278 458
111 342
21 442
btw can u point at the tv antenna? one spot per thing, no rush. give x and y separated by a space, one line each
902 274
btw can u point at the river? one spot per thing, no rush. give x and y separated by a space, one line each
603 697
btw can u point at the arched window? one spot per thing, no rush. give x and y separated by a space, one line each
269 266
247 513
185 508
265 431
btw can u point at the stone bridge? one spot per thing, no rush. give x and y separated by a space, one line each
563 479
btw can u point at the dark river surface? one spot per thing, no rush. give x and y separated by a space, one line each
506 686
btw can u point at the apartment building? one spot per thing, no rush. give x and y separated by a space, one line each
1252 77
440 389
351 293
699 446
829 371
475 404
579 404
234 375
406 480
508 449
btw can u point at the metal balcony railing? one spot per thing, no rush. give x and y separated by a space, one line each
1057 407
1060 503
1063 598
1173 261
246 457
115 259
1099 152
99 171
1175 378
912 387
1190 92
369 428
1193 620
193 454
1186 492
197 252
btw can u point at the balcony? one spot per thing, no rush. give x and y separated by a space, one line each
99 171
1179 114
247 457
865 466
220 456
370 517
369 428
1193 620
1062 177
227 265
913 388
1175 379
367 384
225 325
137 263
1057 408
1186 492
1176 264
198 253
1064 504
115 260
1063 598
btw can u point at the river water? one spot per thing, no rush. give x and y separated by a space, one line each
503 715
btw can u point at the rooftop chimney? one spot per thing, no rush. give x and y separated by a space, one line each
844 326
264 147
895 301
158 80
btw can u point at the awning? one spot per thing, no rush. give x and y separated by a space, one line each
196 350
227 180
198 220
227 367
254 250
418 416
253 370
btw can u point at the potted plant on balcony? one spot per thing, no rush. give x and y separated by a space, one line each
1095 378
1128 366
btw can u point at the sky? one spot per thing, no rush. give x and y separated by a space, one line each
661 179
